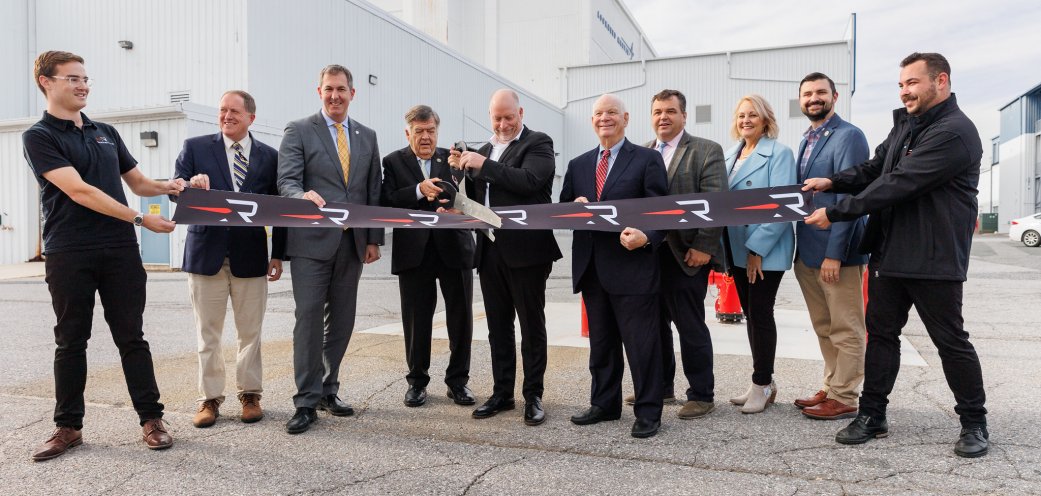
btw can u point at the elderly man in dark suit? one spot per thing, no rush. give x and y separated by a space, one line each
618 275
423 257
224 262
327 157
515 167
694 165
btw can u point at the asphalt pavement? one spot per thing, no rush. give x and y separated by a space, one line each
387 448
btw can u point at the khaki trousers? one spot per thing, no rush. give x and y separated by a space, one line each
837 314
209 295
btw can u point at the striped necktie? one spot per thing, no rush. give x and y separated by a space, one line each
343 152
240 167
601 172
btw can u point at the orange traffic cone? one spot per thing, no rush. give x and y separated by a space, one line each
728 306
585 319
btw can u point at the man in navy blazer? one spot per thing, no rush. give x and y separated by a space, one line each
618 274
827 264
230 261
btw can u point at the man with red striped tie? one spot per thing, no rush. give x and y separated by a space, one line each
617 274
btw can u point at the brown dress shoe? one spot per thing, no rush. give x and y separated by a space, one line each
207 414
668 399
155 435
830 409
814 400
251 411
60 441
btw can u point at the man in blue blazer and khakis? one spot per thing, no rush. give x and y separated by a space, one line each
327 157
224 262
828 266
617 274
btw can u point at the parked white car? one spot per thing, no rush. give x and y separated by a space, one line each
1026 229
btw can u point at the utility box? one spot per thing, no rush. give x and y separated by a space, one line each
988 223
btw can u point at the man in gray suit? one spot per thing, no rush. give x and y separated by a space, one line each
694 165
327 157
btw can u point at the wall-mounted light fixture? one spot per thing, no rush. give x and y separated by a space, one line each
373 79
150 139
126 45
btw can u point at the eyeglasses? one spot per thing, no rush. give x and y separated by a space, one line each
75 80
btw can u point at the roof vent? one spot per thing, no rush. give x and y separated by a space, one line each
180 96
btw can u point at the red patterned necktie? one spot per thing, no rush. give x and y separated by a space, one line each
601 172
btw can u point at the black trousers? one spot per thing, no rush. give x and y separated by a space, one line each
629 322
117 276
418 289
757 301
509 293
683 302
939 305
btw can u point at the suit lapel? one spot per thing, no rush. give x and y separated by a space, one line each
625 156
322 131
677 156
220 156
512 147
825 136
754 162
412 165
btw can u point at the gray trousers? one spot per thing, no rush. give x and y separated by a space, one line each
326 294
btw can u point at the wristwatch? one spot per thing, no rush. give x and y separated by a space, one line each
139 219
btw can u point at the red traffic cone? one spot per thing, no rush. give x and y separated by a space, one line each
728 306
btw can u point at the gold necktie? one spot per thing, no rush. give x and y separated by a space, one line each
343 152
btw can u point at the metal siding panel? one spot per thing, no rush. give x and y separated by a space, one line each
704 80
19 202
17 85
1011 121
194 45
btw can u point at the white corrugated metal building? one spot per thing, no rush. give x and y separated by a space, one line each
186 53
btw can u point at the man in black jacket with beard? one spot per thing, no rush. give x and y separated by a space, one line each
920 192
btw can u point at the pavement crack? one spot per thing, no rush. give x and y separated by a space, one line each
489 469
401 469
365 404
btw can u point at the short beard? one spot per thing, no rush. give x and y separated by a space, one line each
816 116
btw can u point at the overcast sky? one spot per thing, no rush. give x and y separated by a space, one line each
987 43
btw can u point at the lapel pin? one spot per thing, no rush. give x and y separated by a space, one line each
826 133
439 160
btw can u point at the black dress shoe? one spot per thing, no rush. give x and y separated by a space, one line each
415 396
645 427
335 406
593 415
533 412
972 442
462 395
863 429
494 405
301 421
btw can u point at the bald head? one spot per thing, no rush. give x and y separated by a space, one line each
610 119
610 99
506 114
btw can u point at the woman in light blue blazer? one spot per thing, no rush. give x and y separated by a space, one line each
759 253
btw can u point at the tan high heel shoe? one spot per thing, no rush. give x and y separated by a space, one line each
760 398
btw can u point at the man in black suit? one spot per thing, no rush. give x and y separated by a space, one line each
515 167
618 274
230 262
422 257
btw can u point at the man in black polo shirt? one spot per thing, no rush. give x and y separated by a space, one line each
91 247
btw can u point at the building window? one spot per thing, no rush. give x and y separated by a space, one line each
703 114
995 152
794 109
